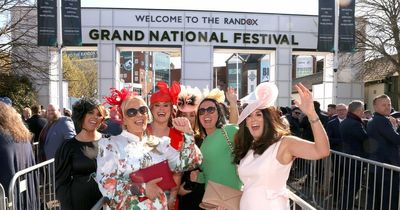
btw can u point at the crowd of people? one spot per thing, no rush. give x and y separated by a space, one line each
356 131
205 138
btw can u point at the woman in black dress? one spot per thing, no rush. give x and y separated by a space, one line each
190 193
75 160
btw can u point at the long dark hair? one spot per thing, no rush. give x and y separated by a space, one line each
274 129
221 121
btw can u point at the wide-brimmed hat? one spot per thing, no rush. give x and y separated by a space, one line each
266 95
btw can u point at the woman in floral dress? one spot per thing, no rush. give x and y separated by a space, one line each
132 150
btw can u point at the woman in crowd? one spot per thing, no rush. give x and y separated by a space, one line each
161 107
265 150
135 149
217 164
75 160
16 153
230 112
190 193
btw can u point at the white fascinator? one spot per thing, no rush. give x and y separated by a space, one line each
266 95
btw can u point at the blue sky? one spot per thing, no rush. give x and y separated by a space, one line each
307 7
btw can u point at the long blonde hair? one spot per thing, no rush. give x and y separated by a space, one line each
11 124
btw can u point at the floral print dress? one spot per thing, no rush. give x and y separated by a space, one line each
123 154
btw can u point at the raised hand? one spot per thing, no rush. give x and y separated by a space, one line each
231 95
182 124
306 103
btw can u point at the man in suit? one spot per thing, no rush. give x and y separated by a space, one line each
383 146
336 143
57 130
332 112
293 118
36 123
354 137
332 128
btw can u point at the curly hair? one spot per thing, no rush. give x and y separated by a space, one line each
82 107
274 129
221 121
11 124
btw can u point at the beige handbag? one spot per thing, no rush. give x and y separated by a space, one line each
220 195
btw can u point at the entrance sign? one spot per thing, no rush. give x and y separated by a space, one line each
197 35
191 36
169 27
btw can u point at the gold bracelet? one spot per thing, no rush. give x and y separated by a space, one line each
314 120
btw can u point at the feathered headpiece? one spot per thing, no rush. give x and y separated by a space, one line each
115 100
215 94
188 99
166 94
117 97
266 95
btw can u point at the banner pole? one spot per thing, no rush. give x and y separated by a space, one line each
59 55
336 52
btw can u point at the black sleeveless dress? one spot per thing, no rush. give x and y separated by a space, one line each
76 165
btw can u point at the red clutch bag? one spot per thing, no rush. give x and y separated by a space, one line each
155 171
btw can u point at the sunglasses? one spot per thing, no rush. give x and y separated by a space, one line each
132 112
297 112
210 110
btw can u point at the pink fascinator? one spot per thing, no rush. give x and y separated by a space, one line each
266 95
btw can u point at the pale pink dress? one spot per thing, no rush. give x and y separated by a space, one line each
264 180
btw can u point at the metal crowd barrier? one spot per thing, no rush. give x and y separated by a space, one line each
3 199
344 181
35 149
296 202
34 188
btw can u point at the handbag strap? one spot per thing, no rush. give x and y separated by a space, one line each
227 138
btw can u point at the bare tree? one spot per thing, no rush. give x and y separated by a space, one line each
380 39
19 52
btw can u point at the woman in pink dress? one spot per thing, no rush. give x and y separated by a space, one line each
265 150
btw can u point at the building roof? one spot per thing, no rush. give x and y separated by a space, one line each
377 69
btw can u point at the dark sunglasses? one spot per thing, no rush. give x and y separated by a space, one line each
132 112
210 110
297 112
